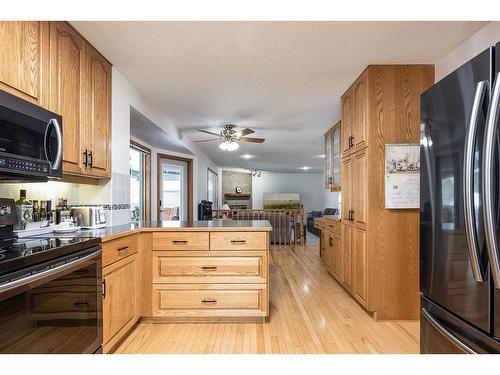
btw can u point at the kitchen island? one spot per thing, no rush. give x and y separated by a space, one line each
166 271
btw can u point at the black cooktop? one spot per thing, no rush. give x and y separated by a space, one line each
18 253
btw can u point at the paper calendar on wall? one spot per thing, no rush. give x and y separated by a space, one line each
402 176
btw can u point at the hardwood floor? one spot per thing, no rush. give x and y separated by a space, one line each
310 313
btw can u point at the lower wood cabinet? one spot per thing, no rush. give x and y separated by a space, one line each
360 267
120 300
332 243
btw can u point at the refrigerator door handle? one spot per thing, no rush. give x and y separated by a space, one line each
450 336
489 182
468 182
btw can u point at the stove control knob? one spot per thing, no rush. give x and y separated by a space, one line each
5 210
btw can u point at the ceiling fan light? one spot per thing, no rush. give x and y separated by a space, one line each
229 146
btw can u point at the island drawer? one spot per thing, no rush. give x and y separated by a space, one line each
210 300
238 241
210 267
120 248
181 241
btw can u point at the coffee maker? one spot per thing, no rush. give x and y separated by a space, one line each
205 210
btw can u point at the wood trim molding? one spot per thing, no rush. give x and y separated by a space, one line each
147 177
189 163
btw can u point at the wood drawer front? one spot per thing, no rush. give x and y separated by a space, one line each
318 225
214 267
238 241
120 248
210 300
181 241
333 226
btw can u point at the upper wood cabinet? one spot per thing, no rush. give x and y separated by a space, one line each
347 122
80 90
327 180
52 65
332 158
24 61
68 86
98 120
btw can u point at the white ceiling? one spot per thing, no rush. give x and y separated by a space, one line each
283 79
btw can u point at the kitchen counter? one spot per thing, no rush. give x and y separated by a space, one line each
116 231
331 217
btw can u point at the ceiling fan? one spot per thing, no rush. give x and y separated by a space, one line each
230 137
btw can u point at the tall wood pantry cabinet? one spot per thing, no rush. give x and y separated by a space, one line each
52 65
380 247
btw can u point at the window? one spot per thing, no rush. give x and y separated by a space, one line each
140 161
212 188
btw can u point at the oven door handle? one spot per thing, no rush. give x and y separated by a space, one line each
48 273
54 164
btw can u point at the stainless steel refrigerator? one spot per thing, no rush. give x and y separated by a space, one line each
460 209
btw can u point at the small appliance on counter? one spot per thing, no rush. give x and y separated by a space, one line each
89 217
205 210
41 296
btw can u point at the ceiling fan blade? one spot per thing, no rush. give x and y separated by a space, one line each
207 140
252 140
207 132
246 131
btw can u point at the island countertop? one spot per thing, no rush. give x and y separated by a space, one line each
116 231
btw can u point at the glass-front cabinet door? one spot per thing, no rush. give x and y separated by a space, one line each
327 181
335 161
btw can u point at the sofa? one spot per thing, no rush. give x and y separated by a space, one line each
314 214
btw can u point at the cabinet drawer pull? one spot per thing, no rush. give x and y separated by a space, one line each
80 304
179 242
209 268
238 241
209 301
122 248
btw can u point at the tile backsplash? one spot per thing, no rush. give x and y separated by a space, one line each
113 195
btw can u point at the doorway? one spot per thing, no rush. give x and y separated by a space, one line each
175 188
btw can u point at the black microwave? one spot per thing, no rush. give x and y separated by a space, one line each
31 142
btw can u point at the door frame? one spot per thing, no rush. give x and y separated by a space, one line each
147 177
189 168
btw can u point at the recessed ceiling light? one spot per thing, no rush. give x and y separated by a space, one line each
247 156
305 168
322 156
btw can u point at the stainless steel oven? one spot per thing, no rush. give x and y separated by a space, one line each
31 142
53 307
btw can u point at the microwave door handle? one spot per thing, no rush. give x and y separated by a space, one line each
54 164
489 182
468 182
48 273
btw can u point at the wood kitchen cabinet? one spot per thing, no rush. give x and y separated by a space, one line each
24 61
67 91
332 140
120 300
98 115
380 247
80 90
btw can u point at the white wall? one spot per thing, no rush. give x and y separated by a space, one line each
125 96
484 38
308 185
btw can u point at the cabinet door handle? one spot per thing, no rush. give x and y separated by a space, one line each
91 159
179 242
208 301
80 304
123 248
238 242
330 241
103 288
209 268
352 215
86 158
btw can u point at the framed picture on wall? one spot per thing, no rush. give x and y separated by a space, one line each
281 200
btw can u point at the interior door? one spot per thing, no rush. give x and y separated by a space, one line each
446 275
173 190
